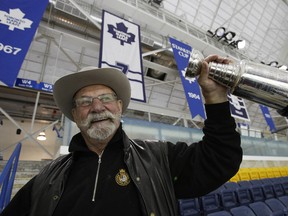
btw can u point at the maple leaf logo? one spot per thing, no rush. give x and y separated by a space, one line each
120 32
14 19
190 79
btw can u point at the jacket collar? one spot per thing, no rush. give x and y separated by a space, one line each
78 144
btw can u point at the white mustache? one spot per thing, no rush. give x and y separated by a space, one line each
92 117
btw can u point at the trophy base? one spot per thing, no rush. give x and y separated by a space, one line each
283 112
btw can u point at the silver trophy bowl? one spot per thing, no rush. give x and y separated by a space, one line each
256 82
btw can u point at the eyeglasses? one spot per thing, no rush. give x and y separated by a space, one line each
87 101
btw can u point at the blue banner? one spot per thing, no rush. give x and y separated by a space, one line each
268 118
18 23
32 84
121 48
191 87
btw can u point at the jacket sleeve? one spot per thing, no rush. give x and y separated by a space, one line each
20 204
202 167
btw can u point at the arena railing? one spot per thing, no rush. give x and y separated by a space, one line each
7 177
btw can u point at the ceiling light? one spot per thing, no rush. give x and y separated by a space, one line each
283 67
273 64
229 35
41 136
220 31
241 44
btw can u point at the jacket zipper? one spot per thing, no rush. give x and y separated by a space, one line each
97 175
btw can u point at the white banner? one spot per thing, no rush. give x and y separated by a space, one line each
121 48
238 108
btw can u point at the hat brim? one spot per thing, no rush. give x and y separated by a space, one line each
66 87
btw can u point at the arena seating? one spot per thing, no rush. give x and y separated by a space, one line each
246 197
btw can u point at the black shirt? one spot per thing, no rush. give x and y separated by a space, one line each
111 198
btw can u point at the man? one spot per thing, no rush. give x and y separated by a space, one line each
106 173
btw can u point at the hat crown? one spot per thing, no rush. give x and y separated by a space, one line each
65 88
88 68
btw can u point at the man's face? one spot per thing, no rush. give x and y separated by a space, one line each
97 112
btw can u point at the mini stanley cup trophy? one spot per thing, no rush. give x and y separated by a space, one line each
260 83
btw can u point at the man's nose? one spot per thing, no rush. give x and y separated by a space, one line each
97 105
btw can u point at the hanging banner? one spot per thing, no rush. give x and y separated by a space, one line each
268 118
238 107
191 87
121 48
18 23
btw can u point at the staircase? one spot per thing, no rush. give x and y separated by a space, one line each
26 170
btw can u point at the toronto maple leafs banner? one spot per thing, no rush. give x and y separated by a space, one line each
18 23
191 87
121 48
268 118
238 107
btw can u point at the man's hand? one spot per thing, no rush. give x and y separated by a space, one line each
212 91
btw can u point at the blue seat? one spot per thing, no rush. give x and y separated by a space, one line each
276 205
228 198
268 190
266 180
242 211
244 196
220 213
284 179
284 183
278 189
257 193
285 186
256 182
217 190
189 207
244 183
276 179
210 203
231 185
284 200
261 209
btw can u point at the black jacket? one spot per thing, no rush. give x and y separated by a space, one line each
162 171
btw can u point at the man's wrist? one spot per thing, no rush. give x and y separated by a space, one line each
215 98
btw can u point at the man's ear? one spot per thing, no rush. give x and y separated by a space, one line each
120 105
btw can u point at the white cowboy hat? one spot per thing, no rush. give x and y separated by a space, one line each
66 87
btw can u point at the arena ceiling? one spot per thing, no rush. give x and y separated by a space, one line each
68 38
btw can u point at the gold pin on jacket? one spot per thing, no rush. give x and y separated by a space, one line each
122 178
